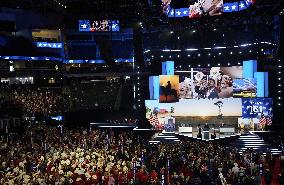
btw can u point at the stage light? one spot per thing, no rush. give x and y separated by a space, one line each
279 72
279 66
189 66
138 83
178 56
279 104
231 52
279 91
209 54
138 67
171 32
279 85
188 55
240 52
193 31
198 65
138 72
208 65
138 77
178 38
218 64
199 54
170 56
152 56
214 29
162 56
220 53
180 66
279 78
239 63
279 98
229 64
250 51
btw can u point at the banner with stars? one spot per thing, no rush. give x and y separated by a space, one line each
256 107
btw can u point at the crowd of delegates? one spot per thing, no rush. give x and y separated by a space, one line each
33 100
44 155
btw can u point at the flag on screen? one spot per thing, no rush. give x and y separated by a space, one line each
262 121
154 120
269 120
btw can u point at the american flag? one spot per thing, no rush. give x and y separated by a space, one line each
262 121
154 120
268 120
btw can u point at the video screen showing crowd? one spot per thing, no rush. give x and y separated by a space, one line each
196 8
217 96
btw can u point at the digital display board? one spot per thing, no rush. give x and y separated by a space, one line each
99 25
244 88
257 107
214 82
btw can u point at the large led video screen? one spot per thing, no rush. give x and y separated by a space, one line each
244 88
193 9
257 107
99 25
194 112
169 88
208 83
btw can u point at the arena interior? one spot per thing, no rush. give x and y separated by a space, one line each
141 92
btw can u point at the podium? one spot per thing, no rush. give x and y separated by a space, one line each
206 133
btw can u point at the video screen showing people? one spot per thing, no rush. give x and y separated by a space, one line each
209 83
244 88
205 7
102 25
194 111
169 88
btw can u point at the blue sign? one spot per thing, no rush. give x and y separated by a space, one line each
255 107
84 61
231 7
49 45
123 60
99 25
29 58
57 118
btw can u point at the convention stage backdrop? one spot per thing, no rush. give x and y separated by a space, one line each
236 95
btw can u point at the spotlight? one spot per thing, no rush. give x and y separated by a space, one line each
240 52
250 51
239 63
198 65
279 91
229 64
171 32
220 53
279 78
218 64
279 66
180 66
279 85
178 38
193 31
199 54
209 54
214 29
262 49
178 56
162 56
231 52
279 98
189 66
208 65
279 104
170 56
152 56
279 72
